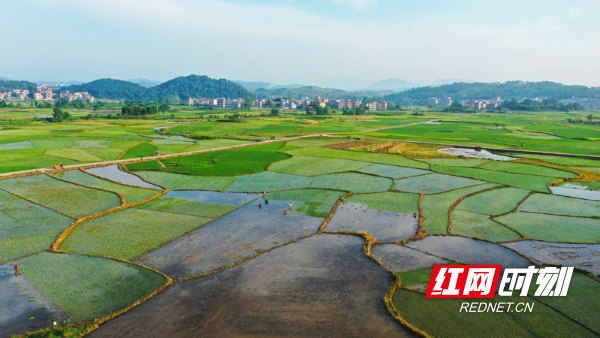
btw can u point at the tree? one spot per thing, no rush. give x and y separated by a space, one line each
164 107
78 104
274 112
307 109
96 107
62 103
590 117
58 115
248 103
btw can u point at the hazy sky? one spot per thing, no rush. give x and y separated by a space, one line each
302 41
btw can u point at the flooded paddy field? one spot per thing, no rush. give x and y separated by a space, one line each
470 251
583 256
322 286
214 197
385 226
399 258
231 238
22 307
112 172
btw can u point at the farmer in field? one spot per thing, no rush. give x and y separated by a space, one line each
284 212
290 206
17 269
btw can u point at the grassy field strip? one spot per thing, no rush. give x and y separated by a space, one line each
78 221
436 207
123 198
152 158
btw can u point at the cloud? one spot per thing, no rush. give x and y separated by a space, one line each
357 4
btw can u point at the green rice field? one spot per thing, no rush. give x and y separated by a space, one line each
129 233
249 263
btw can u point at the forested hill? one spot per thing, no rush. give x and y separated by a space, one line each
507 90
171 91
6 85
198 86
111 89
308 91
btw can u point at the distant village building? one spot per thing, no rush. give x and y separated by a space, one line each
382 105
447 101
44 93
371 106
85 96
432 101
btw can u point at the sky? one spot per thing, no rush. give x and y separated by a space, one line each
302 41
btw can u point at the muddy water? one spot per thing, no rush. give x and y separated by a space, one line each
475 154
470 251
576 192
322 286
385 226
231 238
584 256
399 258
112 172
16 309
214 197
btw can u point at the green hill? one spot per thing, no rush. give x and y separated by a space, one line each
171 91
111 89
6 85
507 90
308 91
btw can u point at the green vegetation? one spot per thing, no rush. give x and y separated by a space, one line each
143 150
89 287
476 225
269 181
179 88
441 317
435 207
73 154
308 165
26 227
352 182
228 162
494 202
129 233
61 196
392 159
581 302
458 162
561 205
186 207
388 201
522 168
393 171
181 181
148 165
553 228
312 202
509 89
433 184
132 194
524 181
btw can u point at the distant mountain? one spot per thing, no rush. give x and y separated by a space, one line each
145 82
110 89
290 86
171 91
6 85
440 82
507 90
348 83
253 85
198 86
393 84
307 91
61 83
4 79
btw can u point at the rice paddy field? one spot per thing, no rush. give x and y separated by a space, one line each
291 226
